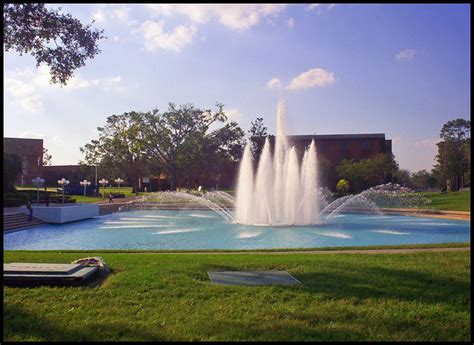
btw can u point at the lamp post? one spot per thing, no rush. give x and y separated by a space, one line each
63 182
38 181
118 181
85 183
103 182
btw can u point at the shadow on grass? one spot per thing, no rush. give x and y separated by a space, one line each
384 283
20 324
369 283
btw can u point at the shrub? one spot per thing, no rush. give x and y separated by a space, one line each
342 186
14 199
58 199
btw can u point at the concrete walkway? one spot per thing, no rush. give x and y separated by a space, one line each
444 214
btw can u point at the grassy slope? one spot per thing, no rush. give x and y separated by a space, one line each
454 201
422 296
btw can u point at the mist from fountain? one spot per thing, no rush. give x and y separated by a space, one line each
281 192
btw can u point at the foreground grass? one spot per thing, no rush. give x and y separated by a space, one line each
454 201
402 297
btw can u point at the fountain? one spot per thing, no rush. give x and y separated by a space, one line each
283 191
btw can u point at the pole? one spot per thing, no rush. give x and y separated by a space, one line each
96 179
37 193
63 194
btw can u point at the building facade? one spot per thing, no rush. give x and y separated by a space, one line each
30 152
336 147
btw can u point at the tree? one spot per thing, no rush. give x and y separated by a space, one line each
257 134
56 39
458 129
170 138
402 177
368 172
423 180
454 151
11 169
119 149
220 153
47 158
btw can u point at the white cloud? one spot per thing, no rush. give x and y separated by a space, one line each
156 38
311 78
99 17
122 15
274 83
233 16
112 84
56 140
23 94
319 7
290 22
31 134
41 78
232 114
405 55
118 13
18 88
31 103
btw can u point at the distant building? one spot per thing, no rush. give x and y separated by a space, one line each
30 152
336 147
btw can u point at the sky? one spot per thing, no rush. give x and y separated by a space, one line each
400 69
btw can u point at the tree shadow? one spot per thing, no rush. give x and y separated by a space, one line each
20 324
385 283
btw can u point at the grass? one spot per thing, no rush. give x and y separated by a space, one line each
344 297
454 201
89 199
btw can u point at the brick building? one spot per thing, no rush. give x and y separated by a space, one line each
336 147
30 152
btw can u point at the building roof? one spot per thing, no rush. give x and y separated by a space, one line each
338 136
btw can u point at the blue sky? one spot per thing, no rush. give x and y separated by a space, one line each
402 70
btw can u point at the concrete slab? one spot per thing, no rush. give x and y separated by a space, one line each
252 278
81 274
40 268
31 273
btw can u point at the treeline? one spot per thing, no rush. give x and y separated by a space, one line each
183 143
451 171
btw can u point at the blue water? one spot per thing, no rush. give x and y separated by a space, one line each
164 229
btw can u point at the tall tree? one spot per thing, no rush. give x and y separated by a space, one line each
56 39
453 160
169 137
257 134
119 148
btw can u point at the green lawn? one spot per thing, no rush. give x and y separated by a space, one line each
395 297
454 201
89 199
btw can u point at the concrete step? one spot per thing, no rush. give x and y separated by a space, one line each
18 221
